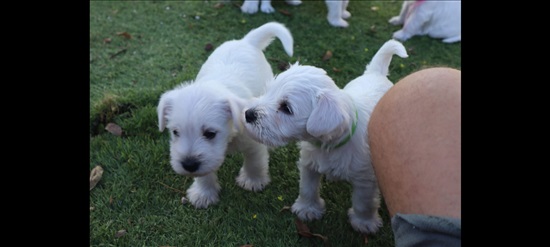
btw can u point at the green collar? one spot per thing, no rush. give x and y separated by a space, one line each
346 140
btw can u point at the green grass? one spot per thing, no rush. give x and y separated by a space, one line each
141 194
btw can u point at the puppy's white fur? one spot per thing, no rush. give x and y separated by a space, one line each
336 9
437 19
304 104
204 116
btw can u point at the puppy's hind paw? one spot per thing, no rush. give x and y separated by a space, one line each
364 225
400 35
249 7
346 14
252 183
267 8
396 20
202 198
308 210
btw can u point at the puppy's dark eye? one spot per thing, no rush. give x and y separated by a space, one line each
175 132
285 107
209 134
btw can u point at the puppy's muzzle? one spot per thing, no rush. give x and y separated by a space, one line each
250 115
190 164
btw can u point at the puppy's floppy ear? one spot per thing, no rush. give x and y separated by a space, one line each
329 119
235 106
164 108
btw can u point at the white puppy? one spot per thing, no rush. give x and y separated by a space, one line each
336 9
437 19
303 103
204 116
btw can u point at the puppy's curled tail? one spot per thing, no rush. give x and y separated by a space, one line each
380 63
262 36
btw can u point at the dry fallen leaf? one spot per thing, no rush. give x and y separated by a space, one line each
303 230
284 12
95 176
107 40
208 47
374 8
120 233
124 34
285 208
336 69
218 5
327 55
114 129
283 65
366 240
246 245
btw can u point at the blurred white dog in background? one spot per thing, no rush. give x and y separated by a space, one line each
336 9
437 19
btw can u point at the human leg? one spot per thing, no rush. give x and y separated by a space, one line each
415 143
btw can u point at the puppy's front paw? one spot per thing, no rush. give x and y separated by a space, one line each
308 210
267 8
396 20
364 225
401 36
338 22
201 197
249 7
252 183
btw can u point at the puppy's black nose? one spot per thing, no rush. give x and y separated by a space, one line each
250 115
190 164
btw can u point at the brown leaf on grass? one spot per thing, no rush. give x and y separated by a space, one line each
118 53
208 47
366 239
110 200
114 129
327 55
124 34
120 233
284 12
246 245
95 176
285 208
373 28
325 239
107 40
303 229
282 65
218 5
336 69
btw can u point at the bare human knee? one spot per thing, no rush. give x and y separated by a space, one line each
414 136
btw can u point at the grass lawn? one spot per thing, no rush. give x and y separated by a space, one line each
139 49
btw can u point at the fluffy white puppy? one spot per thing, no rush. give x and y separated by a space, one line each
437 19
336 9
203 116
304 104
